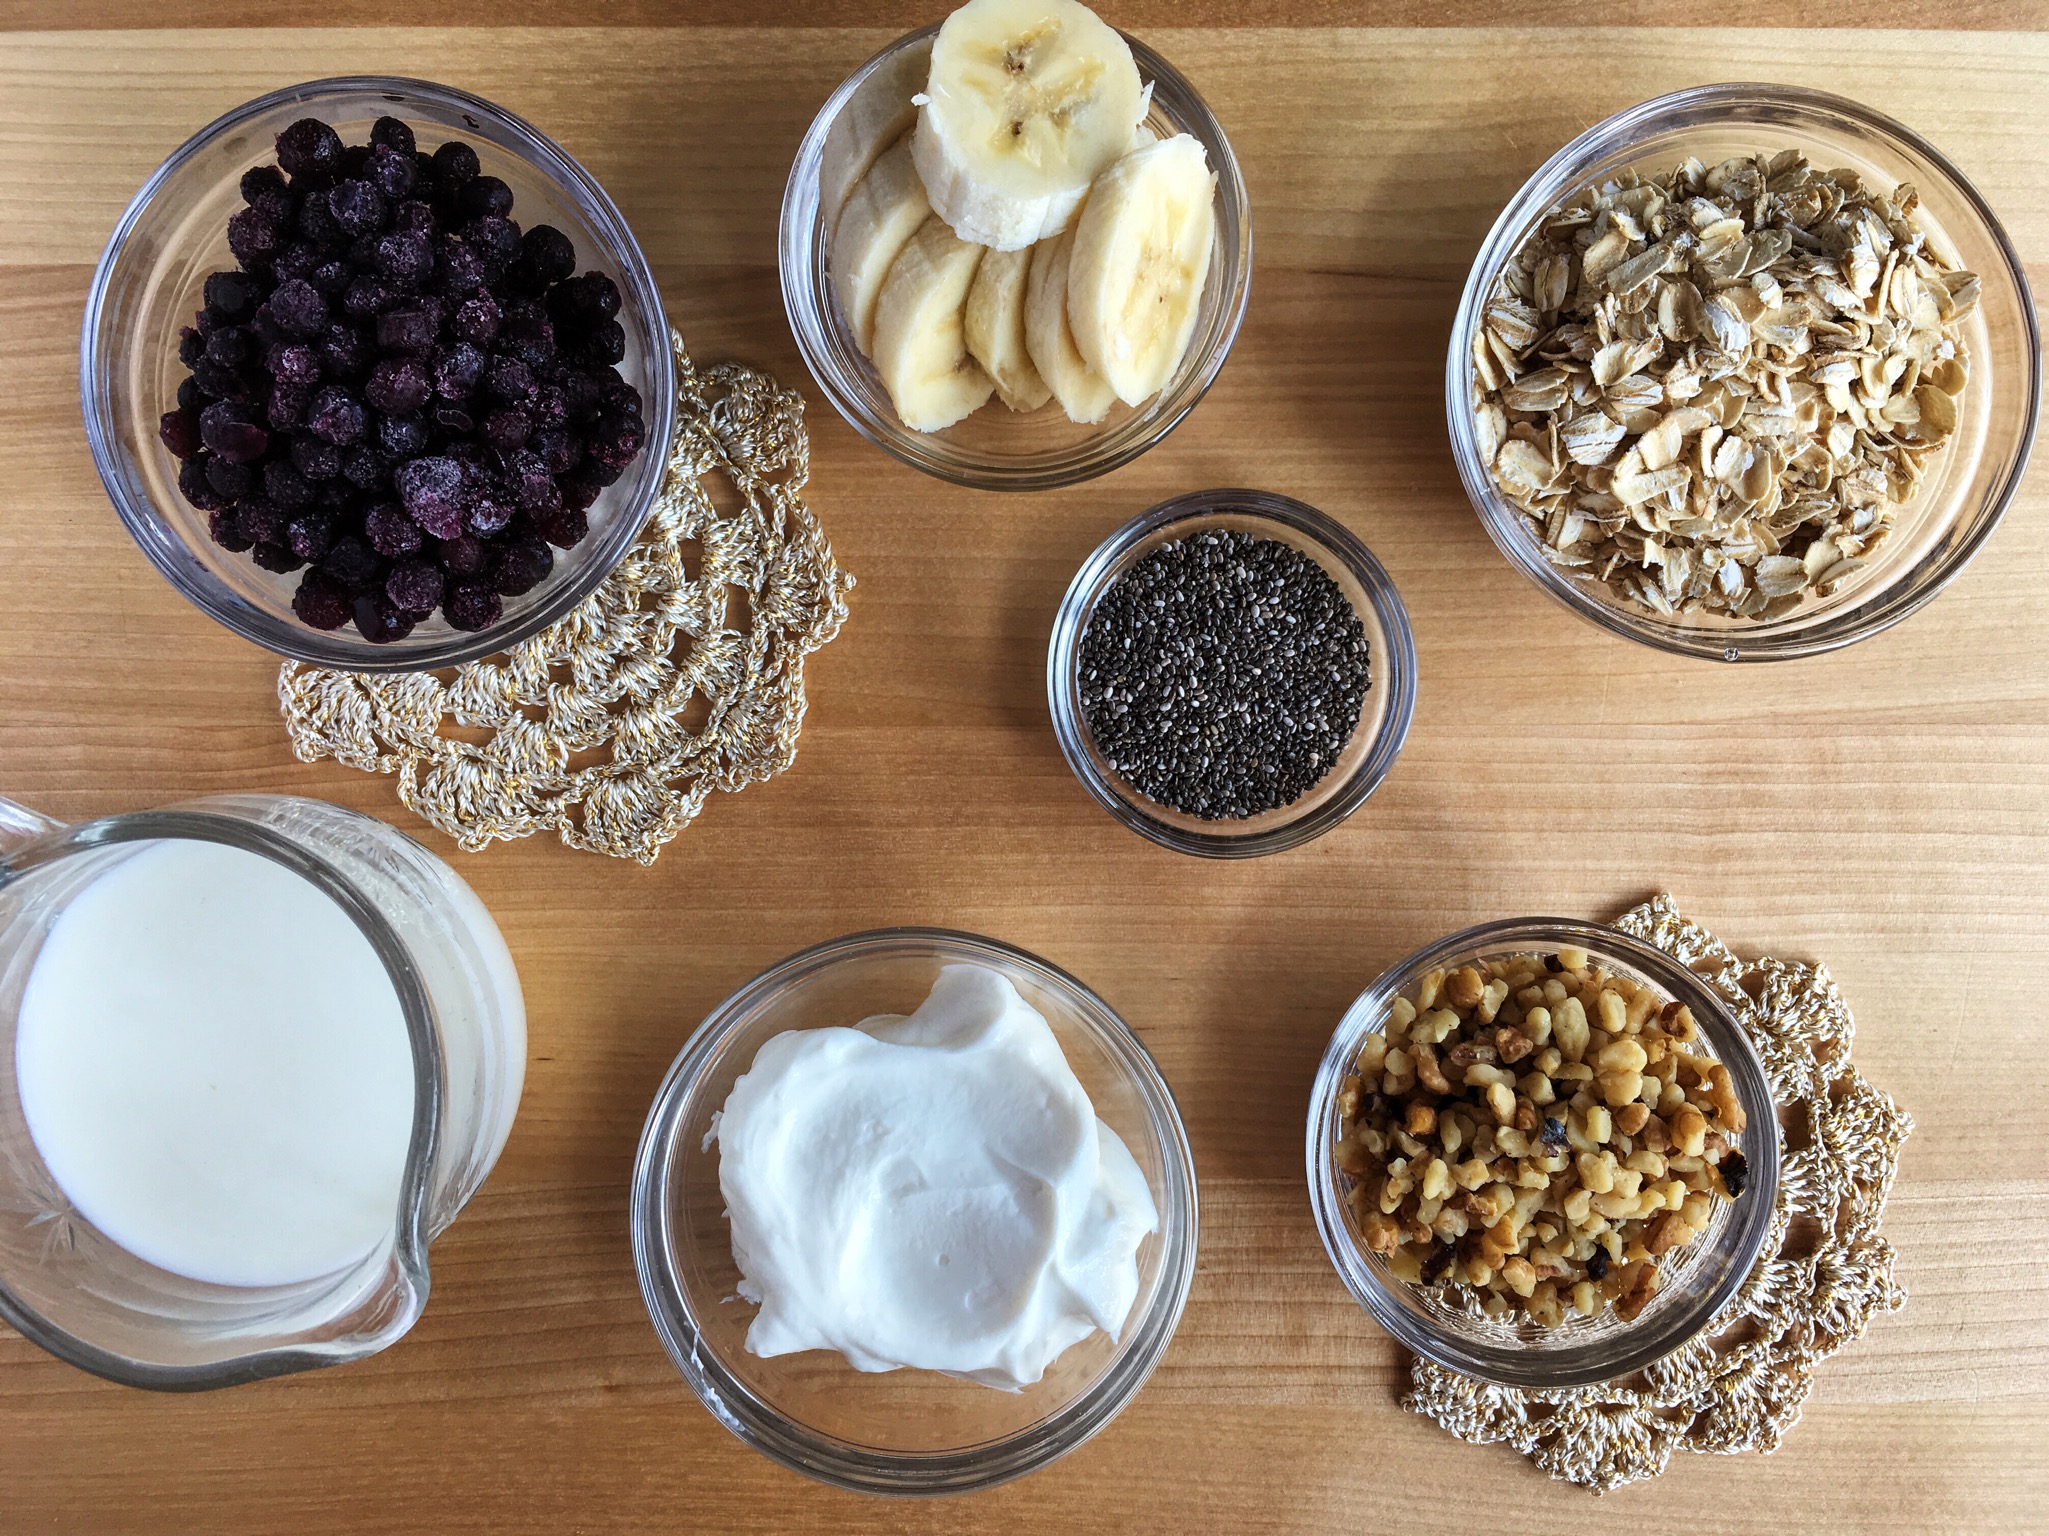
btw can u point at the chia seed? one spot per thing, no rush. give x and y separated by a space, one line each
1223 674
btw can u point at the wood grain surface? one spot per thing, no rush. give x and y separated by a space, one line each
1884 809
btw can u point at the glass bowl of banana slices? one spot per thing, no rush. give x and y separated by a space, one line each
1015 247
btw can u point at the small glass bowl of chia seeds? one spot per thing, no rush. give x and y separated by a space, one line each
1231 673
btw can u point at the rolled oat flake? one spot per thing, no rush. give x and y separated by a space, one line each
1223 674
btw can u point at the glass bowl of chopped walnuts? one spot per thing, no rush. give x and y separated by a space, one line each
1746 372
1542 1152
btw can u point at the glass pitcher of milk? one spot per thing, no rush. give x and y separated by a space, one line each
255 1054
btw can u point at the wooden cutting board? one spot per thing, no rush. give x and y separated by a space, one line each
1885 809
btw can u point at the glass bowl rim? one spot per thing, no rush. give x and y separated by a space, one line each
299 642
1558 177
1086 461
1596 1361
825 1457
1344 547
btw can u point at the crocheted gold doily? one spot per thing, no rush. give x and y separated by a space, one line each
1740 1385
614 724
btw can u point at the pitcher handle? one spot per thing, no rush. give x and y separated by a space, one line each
19 825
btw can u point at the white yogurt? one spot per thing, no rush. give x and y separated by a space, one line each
215 1067
931 1191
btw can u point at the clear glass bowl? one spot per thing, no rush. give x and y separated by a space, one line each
1970 482
1383 718
148 285
1582 1350
905 1431
998 449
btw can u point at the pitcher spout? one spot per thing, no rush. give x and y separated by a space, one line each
19 825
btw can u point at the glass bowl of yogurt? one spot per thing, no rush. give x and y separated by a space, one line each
914 1212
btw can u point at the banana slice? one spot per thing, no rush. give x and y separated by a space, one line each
1141 255
882 213
996 329
1028 101
921 349
882 110
1050 341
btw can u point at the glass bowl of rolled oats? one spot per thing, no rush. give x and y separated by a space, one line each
1542 1153
1746 372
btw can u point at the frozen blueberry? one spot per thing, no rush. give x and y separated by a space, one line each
486 515
618 441
432 491
389 530
463 555
283 484
191 347
579 490
557 449
351 562
368 295
314 459
472 607
618 395
403 437
287 405
392 133
365 468
416 218
529 337
406 330
309 148
294 363
546 256
337 416
317 223
358 207
230 346
191 397
321 602
225 531
298 308
457 371
398 385
603 343
332 278
507 427
566 529
255 239
521 564
495 239
231 294
391 173
584 300
195 486
406 257
415 585
179 431
380 621
260 182
477 319
454 163
230 479
310 534
227 430
262 519
458 269
275 557
485 197
510 380
344 354
220 382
